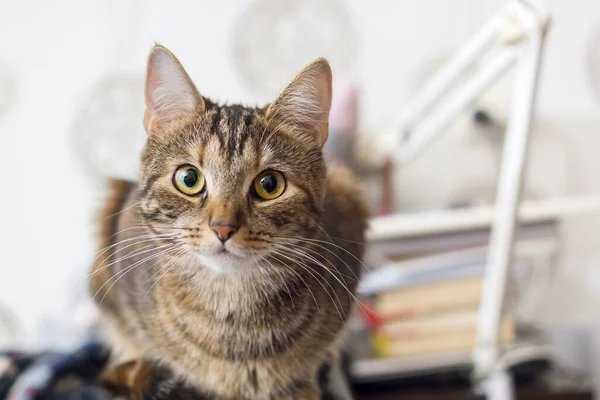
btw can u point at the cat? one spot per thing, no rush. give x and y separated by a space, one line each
234 258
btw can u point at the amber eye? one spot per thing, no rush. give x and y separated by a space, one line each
188 180
269 185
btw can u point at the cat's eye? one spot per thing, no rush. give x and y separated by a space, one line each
188 180
269 185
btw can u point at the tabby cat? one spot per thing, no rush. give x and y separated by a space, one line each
234 258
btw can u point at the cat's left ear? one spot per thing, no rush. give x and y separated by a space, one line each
170 93
303 106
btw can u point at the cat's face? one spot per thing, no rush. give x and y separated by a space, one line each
236 190
232 184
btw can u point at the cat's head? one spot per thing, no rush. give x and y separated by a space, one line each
233 184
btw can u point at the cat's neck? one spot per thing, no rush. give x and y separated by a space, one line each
223 293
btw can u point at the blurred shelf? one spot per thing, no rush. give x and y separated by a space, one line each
465 393
432 222
381 369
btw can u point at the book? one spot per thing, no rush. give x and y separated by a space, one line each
422 245
461 263
429 299
435 344
430 325
398 275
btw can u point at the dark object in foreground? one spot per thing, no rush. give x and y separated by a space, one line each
54 375
79 375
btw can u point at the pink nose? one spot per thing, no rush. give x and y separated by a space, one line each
223 232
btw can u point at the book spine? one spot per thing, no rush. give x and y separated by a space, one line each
437 344
447 323
429 299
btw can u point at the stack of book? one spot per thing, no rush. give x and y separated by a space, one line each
424 300
431 318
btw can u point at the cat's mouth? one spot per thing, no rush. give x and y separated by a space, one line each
228 254
223 260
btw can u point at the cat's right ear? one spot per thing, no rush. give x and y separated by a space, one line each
303 106
170 93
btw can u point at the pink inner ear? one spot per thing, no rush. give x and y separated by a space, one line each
343 117
153 79
170 93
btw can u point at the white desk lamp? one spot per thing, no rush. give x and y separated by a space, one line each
514 38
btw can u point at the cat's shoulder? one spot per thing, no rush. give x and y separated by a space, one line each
117 195
342 182
345 193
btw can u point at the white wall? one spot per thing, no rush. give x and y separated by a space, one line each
60 48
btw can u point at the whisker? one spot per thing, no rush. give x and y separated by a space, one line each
301 278
166 267
100 269
147 228
340 282
124 272
292 243
329 243
147 236
130 255
308 269
333 266
317 262
125 209
337 238
190 268
284 282
152 239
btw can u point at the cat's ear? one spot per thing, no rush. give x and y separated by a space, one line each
170 93
303 106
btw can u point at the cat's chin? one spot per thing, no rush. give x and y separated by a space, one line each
225 262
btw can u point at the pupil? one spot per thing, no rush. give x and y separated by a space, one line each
269 183
190 178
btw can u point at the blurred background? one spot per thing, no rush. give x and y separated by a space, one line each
71 106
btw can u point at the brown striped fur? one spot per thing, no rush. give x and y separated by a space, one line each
258 321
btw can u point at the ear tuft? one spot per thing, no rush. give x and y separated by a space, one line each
303 106
170 93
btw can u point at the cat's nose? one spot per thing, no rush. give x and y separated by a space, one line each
223 230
